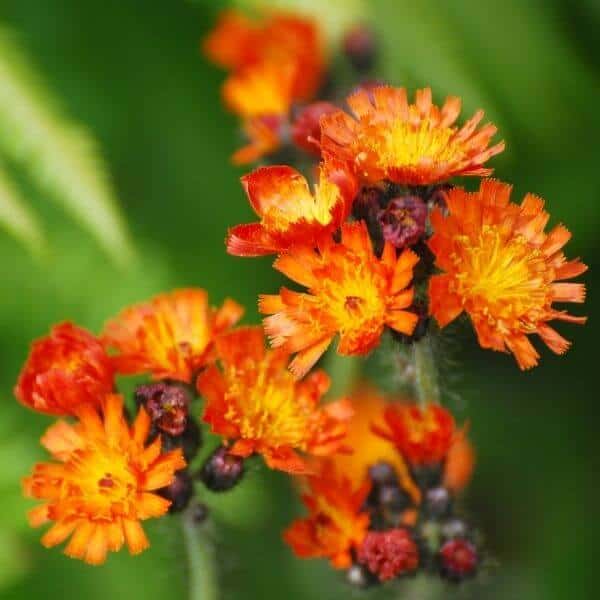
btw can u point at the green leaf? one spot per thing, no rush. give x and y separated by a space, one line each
62 159
16 217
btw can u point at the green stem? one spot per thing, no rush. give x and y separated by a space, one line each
426 375
202 579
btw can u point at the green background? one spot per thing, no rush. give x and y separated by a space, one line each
131 70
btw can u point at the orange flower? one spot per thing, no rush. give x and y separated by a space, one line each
368 407
336 525
233 41
290 213
503 270
422 435
255 401
238 42
412 144
276 62
351 292
100 486
65 369
171 336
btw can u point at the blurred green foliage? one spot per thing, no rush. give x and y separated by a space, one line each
132 73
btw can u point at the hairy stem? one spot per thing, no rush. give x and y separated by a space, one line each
426 375
202 578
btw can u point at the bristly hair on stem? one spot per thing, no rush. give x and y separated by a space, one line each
426 380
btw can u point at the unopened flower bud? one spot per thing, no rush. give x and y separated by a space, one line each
391 497
458 559
438 502
389 554
167 404
358 576
454 528
382 473
403 220
189 441
222 470
360 46
306 128
179 492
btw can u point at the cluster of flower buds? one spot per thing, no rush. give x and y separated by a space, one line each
391 509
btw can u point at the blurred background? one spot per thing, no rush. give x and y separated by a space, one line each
119 88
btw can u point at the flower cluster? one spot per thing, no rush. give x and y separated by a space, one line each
389 509
378 241
108 474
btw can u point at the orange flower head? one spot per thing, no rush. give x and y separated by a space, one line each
503 270
275 63
232 43
101 484
256 402
290 214
351 292
422 435
238 42
369 406
171 336
262 95
411 144
336 525
64 370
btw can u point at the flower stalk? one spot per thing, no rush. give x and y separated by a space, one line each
202 577
426 380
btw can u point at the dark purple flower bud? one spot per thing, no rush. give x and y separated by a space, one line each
222 470
403 220
189 441
360 46
438 502
179 492
368 203
358 576
458 559
383 473
167 404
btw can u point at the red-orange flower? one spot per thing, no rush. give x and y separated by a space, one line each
502 269
238 42
290 214
256 402
275 63
368 449
422 435
351 292
67 368
336 525
413 144
171 336
233 41
101 484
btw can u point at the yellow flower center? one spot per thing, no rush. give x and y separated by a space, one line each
353 298
291 205
265 406
505 279
401 143
104 481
